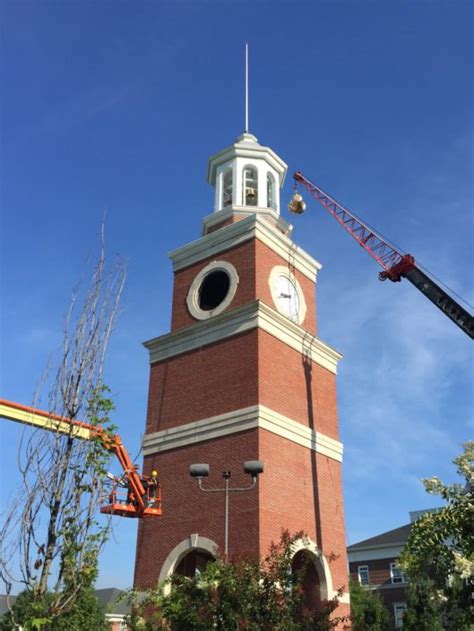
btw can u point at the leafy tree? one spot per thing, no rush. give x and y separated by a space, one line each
423 607
368 612
261 595
439 555
23 612
85 613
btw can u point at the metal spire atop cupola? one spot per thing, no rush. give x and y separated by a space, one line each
246 137
246 175
246 129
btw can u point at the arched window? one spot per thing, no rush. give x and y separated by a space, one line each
271 197
304 562
250 186
227 188
193 563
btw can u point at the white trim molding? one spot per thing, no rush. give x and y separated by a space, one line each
193 542
192 299
252 227
256 416
250 316
371 553
112 618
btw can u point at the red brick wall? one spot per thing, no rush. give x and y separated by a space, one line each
243 259
187 510
380 578
236 217
266 260
300 490
253 261
379 570
212 380
226 222
305 393
392 596
204 383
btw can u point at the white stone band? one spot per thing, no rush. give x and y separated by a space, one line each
253 227
257 416
250 316
193 542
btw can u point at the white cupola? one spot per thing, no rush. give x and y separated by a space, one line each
247 178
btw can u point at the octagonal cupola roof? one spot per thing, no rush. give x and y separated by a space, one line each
247 177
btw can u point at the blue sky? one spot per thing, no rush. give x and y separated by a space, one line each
118 105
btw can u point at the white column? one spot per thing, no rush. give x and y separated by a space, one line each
262 184
276 190
237 180
218 195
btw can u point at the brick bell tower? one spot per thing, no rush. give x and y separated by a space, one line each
243 376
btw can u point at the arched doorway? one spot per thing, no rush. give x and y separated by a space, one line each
191 554
304 562
194 562
317 580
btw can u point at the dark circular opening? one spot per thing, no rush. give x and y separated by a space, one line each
213 290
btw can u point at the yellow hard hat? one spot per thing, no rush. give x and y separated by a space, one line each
154 473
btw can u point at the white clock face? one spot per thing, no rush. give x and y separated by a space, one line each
287 297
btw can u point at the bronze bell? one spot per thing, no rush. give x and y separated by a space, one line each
297 205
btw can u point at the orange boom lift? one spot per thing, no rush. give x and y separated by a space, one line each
142 496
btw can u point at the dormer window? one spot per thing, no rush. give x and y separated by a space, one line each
250 186
271 197
227 188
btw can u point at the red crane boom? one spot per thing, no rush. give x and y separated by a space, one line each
396 265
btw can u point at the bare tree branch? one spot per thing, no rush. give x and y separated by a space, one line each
51 536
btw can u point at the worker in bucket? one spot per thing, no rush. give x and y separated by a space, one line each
151 486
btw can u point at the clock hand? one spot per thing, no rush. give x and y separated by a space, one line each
282 295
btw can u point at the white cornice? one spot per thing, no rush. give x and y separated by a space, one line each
257 416
250 316
376 546
371 553
253 227
214 218
202 333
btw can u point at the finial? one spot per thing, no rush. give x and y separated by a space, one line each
246 130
